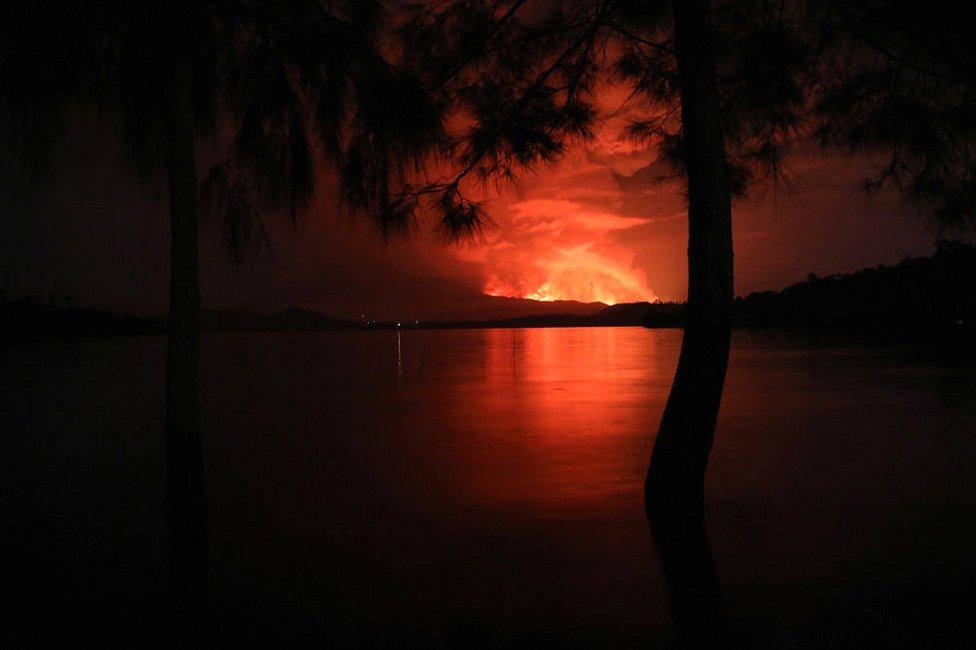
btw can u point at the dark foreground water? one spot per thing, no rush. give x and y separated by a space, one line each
484 487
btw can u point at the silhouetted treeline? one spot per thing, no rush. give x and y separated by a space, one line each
926 296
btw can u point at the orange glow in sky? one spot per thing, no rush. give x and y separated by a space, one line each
568 233
578 273
603 224
568 240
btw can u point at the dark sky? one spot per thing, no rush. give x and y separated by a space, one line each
588 228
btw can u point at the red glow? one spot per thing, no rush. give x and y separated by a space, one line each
563 250
579 274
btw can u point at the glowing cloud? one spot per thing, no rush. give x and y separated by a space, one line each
556 249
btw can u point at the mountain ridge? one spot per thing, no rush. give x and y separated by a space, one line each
923 295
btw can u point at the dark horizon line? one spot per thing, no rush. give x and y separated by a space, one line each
921 294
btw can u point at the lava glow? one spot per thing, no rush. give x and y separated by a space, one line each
558 250
577 274
573 238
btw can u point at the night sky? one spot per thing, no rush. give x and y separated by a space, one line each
594 227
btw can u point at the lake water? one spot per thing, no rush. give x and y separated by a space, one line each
384 489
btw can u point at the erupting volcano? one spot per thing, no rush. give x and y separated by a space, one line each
576 273
562 250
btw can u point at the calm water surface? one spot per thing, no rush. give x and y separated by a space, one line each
370 488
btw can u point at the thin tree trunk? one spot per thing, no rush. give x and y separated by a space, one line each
185 487
674 490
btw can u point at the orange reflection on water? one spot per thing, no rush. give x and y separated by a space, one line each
562 418
427 483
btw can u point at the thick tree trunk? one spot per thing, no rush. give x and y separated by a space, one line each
185 487
674 490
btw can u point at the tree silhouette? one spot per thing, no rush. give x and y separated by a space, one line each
270 86
526 77
725 90
897 79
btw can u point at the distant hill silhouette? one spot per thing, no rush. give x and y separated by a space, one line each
926 297
658 314
503 308
291 319
625 314
55 317
920 296
33 317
